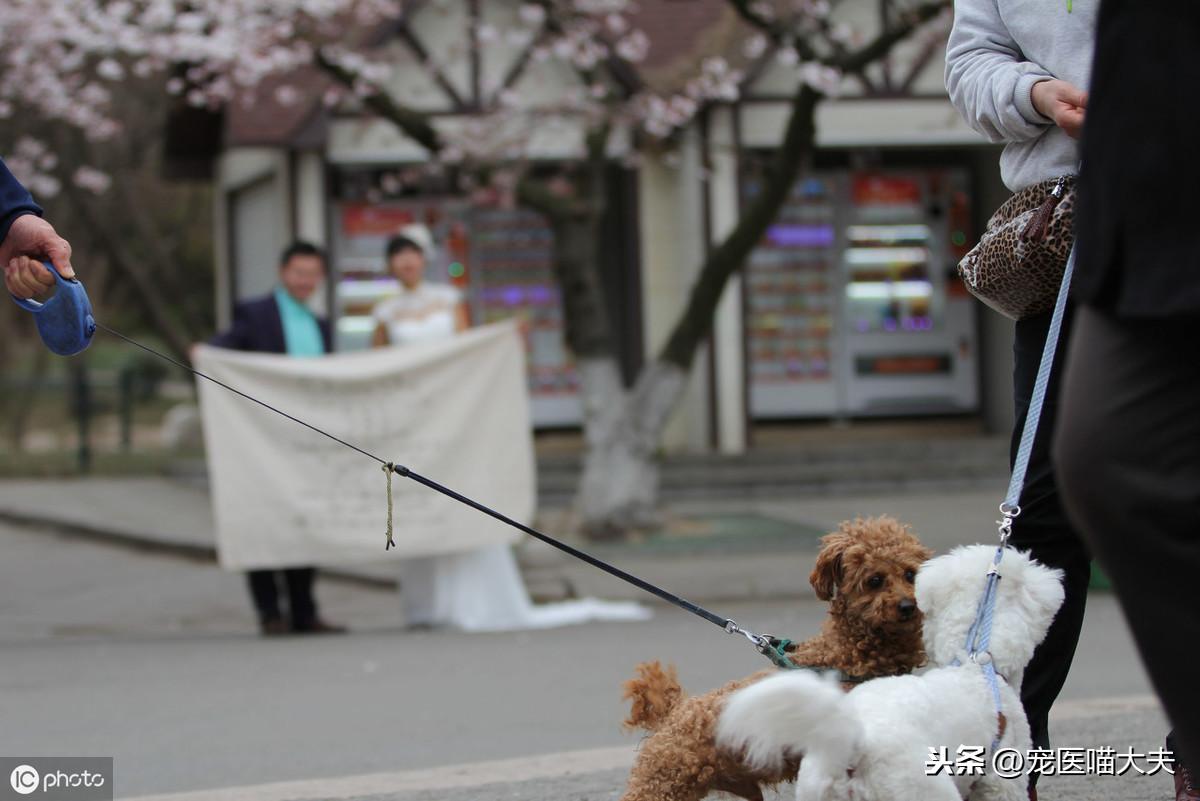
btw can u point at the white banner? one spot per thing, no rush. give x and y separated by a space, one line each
455 411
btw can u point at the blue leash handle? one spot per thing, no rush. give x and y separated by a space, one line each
64 322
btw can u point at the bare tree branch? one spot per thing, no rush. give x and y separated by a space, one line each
535 194
149 293
406 35
412 122
780 34
729 256
909 21
623 73
145 236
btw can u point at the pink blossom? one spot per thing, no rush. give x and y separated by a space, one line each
532 14
824 79
755 46
634 47
65 59
92 180
287 95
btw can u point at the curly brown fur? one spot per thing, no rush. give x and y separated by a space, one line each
655 691
865 570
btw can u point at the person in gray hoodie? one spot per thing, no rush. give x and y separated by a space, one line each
1016 70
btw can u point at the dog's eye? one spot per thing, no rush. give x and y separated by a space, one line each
910 576
875 581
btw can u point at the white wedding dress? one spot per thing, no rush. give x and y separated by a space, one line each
478 590
482 590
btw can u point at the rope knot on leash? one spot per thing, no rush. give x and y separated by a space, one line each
389 468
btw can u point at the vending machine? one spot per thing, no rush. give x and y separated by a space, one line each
791 300
853 304
908 330
512 275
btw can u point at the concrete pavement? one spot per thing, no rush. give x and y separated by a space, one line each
153 659
715 550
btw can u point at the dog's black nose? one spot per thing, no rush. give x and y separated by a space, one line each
908 608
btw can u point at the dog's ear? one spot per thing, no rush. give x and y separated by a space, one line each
827 572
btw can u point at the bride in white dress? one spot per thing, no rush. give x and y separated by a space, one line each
478 590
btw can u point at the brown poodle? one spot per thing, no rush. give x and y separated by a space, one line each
865 570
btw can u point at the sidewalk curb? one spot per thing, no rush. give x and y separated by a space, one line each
538 576
150 545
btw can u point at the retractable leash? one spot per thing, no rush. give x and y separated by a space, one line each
64 322
980 634
66 325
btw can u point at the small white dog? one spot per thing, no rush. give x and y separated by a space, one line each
873 743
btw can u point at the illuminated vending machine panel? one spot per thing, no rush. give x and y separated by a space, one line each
791 306
909 341
511 274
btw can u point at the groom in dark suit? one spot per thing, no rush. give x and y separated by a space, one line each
282 322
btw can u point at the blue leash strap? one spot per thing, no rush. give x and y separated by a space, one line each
1038 399
980 634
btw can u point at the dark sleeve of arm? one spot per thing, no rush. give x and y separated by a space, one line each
238 337
15 200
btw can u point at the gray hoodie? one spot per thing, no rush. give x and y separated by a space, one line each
998 50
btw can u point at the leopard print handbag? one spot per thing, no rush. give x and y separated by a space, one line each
1018 265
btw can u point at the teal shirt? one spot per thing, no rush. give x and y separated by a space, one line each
300 329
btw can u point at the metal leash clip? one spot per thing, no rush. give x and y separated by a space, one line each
769 646
757 640
64 322
1005 523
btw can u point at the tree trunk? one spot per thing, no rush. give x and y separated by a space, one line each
589 336
619 488
612 465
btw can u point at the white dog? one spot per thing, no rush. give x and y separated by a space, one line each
873 743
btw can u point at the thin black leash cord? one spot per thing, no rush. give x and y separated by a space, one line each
562 546
759 641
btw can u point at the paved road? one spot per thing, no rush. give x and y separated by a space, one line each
152 660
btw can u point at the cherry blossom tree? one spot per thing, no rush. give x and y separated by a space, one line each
64 59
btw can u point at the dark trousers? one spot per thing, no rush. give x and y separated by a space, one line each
264 589
1129 457
1043 528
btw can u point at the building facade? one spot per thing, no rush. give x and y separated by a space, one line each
848 308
